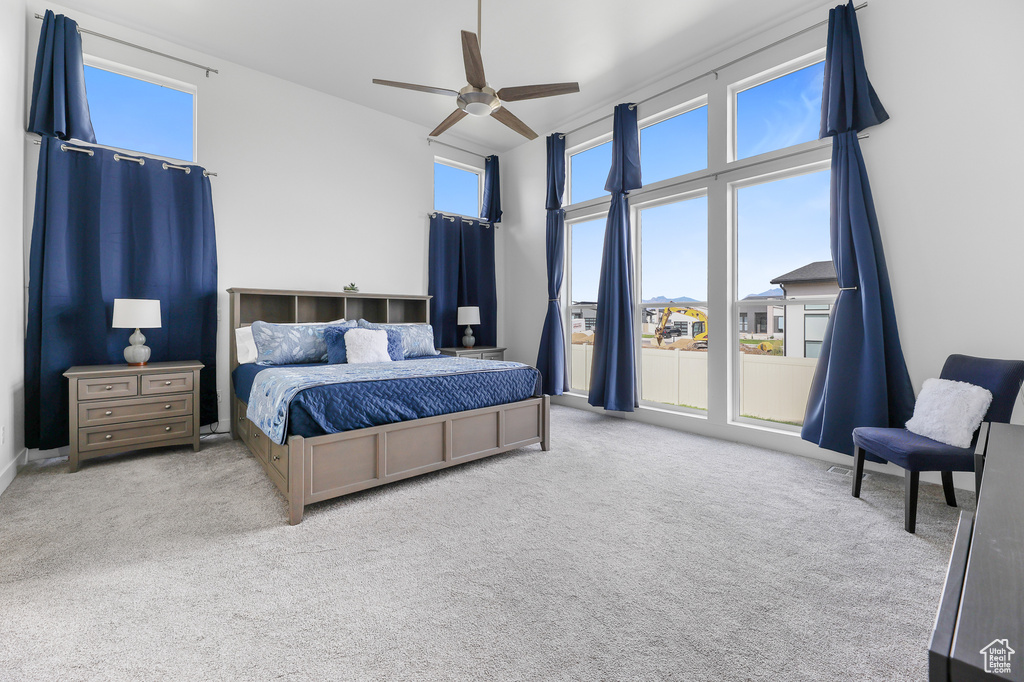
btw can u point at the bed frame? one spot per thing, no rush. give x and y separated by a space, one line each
308 470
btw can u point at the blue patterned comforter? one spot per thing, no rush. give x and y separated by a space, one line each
342 397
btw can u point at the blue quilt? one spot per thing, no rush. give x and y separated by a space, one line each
331 398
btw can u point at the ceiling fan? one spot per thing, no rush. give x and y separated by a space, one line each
477 98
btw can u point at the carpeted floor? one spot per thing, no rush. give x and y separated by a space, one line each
627 552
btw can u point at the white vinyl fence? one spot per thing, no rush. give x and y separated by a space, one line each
771 387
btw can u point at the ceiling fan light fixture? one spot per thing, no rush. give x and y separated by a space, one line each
478 102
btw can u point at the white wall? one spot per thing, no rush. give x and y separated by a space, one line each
12 308
945 171
313 191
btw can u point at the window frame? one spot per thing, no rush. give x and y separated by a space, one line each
155 79
458 165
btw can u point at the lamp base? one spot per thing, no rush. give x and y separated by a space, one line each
137 354
468 341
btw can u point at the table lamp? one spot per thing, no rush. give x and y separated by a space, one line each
136 313
469 315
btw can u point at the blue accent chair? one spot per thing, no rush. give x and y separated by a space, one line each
917 453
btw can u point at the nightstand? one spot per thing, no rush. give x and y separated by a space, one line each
119 408
478 352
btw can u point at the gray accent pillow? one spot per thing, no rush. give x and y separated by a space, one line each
417 339
292 344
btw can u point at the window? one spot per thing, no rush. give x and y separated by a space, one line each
588 171
456 190
704 224
814 334
816 307
674 146
779 113
586 244
145 116
674 286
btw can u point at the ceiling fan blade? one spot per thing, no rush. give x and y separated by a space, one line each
506 117
420 88
534 91
474 62
452 119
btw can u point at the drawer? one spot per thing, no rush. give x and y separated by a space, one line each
241 423
133 410
124 436
259 443
494 355
476 356
279 458
155 384
108 387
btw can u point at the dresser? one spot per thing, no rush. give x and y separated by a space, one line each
120 408
478 352
979 629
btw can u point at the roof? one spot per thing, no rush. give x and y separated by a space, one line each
820 271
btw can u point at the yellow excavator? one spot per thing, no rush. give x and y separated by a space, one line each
663 332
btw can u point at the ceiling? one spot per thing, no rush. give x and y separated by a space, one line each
609 46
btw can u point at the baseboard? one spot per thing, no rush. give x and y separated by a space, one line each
10 470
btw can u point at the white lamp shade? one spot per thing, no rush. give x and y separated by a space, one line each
136 313
469 315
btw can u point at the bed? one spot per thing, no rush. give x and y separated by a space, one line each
343 430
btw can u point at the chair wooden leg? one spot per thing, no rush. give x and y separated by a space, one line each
913 478
858 469
947 488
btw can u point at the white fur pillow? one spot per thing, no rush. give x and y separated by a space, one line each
949 411
366 345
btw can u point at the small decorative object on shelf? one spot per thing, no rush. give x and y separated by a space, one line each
468 315
351 287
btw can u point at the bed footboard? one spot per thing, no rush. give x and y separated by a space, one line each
324 467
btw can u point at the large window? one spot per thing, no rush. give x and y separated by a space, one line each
730 235
674 309
456 189
586 244
139 115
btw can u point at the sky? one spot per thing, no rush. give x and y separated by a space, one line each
139 116
456 190
781 225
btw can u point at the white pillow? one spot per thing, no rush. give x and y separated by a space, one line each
949 411
366 345
245 346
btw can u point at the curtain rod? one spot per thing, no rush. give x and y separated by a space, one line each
207 69
141 158
431 141
434 214
714 71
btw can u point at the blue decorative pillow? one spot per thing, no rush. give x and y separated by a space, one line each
290 344
338 354
417 339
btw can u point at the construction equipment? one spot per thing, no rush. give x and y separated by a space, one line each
699 333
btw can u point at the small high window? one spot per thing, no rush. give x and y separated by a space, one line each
140 115
588 171
779 113
674 146
456 190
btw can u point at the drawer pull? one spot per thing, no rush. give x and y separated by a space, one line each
276 458
167 428
167 383
109 412
108 436
241 417
167 407
256 435
109 388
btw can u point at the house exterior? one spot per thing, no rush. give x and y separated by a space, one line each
805 324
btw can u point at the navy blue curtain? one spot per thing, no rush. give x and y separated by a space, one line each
59 105
443 277
861 378
551 356
477 284
491 210
460 272
613 374
107 229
